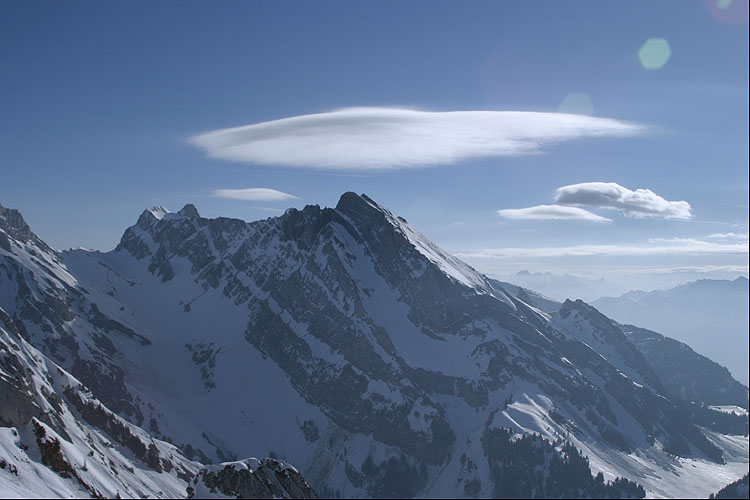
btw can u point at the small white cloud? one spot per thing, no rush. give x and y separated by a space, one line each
388 138
551 212
254 194
638 203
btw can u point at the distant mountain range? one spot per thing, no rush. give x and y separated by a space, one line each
565 286
683 372
709 315
344 342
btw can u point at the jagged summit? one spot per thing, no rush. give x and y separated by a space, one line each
346 342
364 211
13 223
150 217
189 210
349 203
390 238
353 201
14 227
158 212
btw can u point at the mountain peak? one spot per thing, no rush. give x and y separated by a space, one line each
13 226
13 223
351 201
365 210
189 211
158 212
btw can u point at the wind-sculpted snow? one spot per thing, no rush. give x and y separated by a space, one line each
345 342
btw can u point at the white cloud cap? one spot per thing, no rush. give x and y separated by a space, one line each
551 212
254 194
390 138
638 203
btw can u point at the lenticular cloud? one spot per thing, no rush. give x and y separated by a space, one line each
551 212
638 203
254 194
387 138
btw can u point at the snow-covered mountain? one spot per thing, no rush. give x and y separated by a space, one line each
58 440
345 342
709 315
683 372
686 373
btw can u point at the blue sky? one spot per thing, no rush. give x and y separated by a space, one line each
100 101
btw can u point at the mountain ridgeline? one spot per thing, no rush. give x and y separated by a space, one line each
345 342
709 315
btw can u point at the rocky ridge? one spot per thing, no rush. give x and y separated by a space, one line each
376 357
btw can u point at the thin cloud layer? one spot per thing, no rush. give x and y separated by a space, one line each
675 246
254 194
551 212
688 269
388 138
638 203
728 236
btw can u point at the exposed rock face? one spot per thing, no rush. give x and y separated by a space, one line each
14 226
52 428
51 309
40 412
344 341
16 405
189 211
251 478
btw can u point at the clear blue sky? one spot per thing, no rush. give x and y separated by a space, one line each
100 99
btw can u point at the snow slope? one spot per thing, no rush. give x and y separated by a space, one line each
345 342
43 407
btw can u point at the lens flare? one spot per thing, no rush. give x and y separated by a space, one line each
723 4
655 53
729 11
577 104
